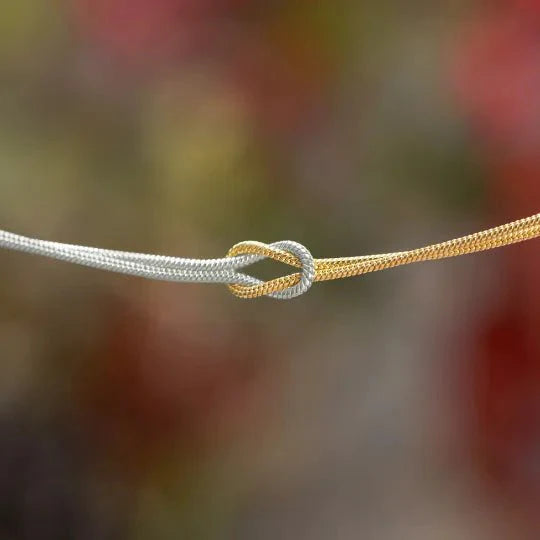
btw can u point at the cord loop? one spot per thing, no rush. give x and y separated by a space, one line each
227 269
286 287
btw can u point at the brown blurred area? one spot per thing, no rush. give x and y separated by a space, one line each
399 405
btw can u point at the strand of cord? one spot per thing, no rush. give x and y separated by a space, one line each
482 241
328 269
503 231
149 266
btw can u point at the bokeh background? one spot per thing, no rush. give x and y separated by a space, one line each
401 405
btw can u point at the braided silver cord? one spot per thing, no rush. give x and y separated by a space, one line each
308 270
159 267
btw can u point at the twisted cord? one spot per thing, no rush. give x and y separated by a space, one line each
288 252
156 267
226 269
343 267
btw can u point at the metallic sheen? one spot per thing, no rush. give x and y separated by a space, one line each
226 270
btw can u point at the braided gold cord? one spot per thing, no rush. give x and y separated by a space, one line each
337 268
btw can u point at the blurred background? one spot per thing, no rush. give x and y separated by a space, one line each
399 405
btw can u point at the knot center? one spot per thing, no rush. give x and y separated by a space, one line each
283 288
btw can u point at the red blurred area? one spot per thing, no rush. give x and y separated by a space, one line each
157 387
499 84
279 68
498 78
146 31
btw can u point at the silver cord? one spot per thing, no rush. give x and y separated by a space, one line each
160 267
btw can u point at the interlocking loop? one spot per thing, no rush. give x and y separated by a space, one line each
286 287
226 269
342 267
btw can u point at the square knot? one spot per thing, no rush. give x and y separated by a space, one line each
282 288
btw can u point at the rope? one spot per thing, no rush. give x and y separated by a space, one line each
226 270
156 267
343 267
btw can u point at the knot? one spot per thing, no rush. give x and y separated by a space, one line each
283 288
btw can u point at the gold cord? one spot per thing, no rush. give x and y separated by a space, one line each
342 267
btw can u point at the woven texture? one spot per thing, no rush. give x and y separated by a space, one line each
337 268
227 269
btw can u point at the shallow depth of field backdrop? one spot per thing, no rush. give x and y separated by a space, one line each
401 405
